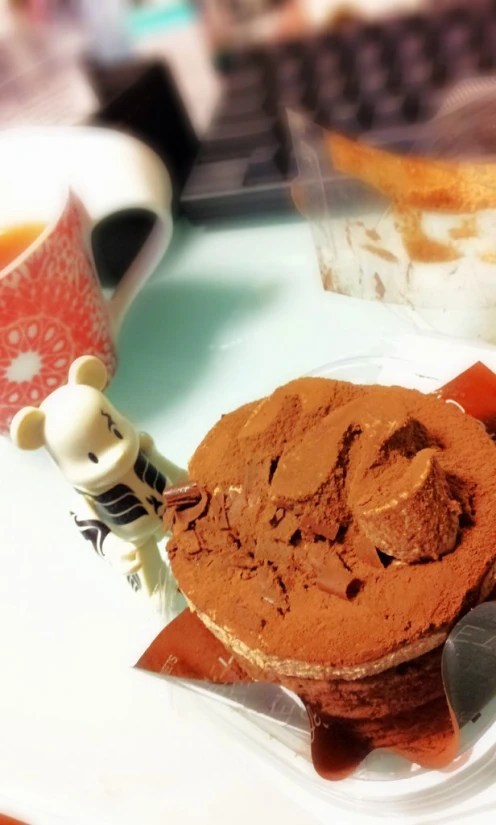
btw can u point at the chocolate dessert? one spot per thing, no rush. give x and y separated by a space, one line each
334 535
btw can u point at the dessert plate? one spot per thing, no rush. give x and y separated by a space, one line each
382 777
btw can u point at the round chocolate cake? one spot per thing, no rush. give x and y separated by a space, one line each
342 530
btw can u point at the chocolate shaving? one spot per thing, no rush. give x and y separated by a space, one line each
184 494
335 579
272 588
251 473
320 528
238 502
218 510
184 504
266 578
197 510
181 521
247 573
280 501
242 560
366 552
191 544
277 516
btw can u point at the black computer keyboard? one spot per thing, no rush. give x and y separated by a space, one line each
380 81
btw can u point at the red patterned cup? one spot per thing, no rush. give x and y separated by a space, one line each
51 305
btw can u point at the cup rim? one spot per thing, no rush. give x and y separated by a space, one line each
100 140
66 195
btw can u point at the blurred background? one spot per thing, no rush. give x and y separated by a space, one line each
207 83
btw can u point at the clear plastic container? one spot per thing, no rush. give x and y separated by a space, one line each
436 264
384 785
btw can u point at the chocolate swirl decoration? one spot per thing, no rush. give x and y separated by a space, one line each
184 503
412 517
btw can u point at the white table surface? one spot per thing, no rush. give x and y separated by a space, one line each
84 738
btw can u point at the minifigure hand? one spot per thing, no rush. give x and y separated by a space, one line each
121 555
146 442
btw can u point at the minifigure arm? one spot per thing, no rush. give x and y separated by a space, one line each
119 553
172 472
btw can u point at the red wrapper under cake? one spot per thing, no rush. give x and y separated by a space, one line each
344 532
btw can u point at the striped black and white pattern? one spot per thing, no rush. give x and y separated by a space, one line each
92 530
96 532
119 505
149 474
135 582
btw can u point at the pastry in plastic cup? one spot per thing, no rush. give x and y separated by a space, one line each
309 560
414 231
286 748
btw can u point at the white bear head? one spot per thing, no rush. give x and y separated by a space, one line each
91 443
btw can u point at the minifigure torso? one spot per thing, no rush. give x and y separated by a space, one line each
133 507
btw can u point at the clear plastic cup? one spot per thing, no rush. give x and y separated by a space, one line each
435 263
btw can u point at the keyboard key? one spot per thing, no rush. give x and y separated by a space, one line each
228 174
351 88
487 61
388 110
365 115
263 168
411 107
373 82
440 73
237 139
394 79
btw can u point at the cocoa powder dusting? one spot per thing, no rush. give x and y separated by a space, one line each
386 488
315 434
